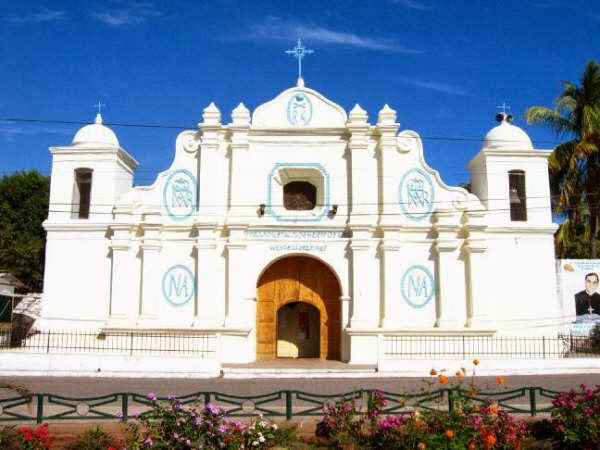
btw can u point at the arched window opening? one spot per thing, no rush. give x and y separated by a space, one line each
299 196
517 196
82 193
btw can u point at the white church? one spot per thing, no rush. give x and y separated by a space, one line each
300 230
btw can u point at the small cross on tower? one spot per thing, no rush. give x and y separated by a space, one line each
99 106
299 52
504 107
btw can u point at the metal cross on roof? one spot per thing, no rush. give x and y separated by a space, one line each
504 107
99 106
299 52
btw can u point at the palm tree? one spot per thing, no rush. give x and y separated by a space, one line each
575 164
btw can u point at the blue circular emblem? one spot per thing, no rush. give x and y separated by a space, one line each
299 109
416 194
417 286
179 194
178 285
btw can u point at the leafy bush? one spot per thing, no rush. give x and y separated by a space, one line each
10 439
35 438
93 439
171 425
468 425
577 417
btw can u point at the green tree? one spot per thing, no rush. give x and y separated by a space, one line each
575 164
23 208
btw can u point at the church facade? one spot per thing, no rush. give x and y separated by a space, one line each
300 230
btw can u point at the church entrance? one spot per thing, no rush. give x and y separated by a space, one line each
298 312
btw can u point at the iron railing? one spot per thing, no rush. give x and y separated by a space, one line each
283 404
115 342
489 347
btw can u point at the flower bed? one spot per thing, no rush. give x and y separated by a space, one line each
470 423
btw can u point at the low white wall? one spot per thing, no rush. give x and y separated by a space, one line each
33 364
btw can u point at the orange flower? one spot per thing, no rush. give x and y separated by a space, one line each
500 380
459 373
450 434
421 446
472 446
494 409
443 379
490 439
476 408
433 372
475 362
463 370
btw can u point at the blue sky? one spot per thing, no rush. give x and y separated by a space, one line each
443 65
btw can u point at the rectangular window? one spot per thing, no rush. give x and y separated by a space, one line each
82 194
517 196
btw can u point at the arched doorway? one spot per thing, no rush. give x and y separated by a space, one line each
300 282
298 331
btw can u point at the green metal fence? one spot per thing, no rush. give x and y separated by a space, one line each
288 404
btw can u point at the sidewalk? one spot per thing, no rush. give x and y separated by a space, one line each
315 368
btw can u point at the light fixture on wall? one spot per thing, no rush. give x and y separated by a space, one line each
261 209
514 196
332 212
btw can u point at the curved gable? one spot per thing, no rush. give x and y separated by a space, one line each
299 107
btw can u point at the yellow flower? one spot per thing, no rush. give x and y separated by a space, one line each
433 372
475 362
463 370
459 373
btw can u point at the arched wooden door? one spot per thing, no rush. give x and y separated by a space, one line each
298 279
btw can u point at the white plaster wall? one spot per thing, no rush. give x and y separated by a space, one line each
76 280
521 288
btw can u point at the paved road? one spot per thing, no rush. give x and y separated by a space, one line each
89 387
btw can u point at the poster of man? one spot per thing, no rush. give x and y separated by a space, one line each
581 307
588 300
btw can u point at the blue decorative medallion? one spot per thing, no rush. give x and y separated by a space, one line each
299 110
417 286
179 194
416 194
178 285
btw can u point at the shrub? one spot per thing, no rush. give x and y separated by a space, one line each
35 438
577 417
10 439
93 439
171 425
468 425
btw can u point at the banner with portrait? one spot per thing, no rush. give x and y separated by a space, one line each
578 281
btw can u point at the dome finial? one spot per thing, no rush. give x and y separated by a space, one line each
98 119
504 116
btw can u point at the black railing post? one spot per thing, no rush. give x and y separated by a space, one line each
39 413
124 407
532 401
288 405
544 346
131 343
450 400
48 343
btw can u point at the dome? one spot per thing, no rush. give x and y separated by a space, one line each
507 136
96 135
